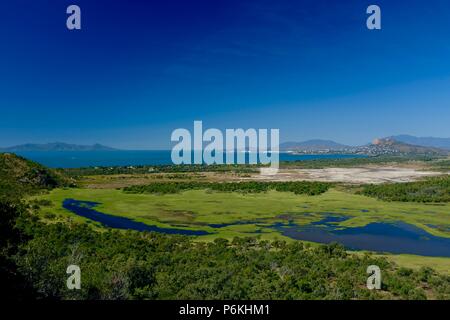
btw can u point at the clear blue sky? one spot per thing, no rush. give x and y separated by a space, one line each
139 69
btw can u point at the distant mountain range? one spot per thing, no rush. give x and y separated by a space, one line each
392 146
443 143
401 144
56 146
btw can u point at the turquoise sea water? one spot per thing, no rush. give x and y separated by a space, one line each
76 159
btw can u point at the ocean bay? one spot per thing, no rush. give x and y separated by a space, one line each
77 159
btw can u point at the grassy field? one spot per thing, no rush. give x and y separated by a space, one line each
195 209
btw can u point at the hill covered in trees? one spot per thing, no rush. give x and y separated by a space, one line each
21 176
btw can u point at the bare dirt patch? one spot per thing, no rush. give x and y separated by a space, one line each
358 175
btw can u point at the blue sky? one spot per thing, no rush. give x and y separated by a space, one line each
139 69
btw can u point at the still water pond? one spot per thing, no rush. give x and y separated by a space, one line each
398 237
86 209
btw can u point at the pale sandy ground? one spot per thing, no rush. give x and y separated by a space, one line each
350 175
359 175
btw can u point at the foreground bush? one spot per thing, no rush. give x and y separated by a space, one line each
133 265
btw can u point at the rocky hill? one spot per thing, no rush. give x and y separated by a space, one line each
382 146
441 143
391 146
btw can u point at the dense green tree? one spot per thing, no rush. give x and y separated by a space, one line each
435 189
142 265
